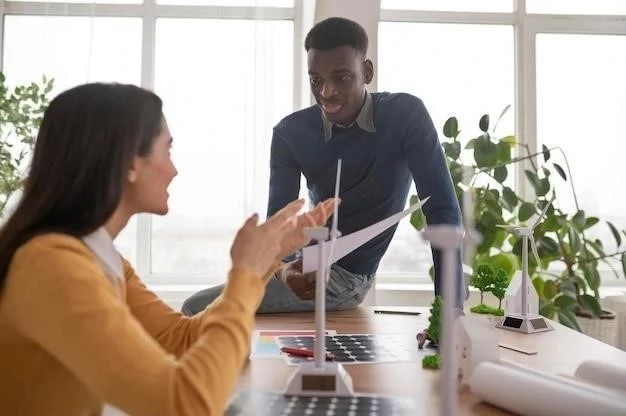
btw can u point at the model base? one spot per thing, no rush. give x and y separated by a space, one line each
331 379
528 324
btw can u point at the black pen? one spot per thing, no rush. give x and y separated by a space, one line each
390 312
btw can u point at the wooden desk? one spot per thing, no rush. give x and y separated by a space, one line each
559 351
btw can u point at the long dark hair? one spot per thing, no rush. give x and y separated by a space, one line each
84 150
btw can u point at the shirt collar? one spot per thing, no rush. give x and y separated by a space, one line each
101 245
365 119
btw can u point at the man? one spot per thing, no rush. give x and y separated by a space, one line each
384 141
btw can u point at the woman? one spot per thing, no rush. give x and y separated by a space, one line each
78 329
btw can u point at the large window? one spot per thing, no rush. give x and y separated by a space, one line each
225 70
460 70
581 103
566 67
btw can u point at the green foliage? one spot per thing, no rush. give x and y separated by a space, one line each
487 278
21 112
432 361
487 310
562 238
434 320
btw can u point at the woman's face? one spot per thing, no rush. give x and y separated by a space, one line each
151 175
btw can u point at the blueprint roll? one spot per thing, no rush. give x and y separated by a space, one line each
603 374
530 392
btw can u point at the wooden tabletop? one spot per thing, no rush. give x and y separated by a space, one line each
559 352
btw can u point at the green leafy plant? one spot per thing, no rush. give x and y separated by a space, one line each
433 332
483 163
487 279
432 361
21 112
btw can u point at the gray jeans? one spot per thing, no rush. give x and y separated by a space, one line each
344 290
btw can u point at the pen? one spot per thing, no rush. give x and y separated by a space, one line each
390 312
303 352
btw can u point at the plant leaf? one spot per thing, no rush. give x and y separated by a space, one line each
574 239
591 276
500 173
526 210
579 220
451 128
590 222
483 124
550 289
616 235
591 304
546 153
547 310
418 220
568 318
565 302
504 151
624 263
560 171
485 152
509 139
504 111
509 196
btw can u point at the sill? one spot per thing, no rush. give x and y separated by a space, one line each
387 294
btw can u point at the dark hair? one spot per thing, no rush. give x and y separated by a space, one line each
84 150
334 32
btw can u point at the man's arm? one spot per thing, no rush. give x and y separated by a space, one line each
284 176
428 165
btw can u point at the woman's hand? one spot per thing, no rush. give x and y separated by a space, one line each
258 247
318 216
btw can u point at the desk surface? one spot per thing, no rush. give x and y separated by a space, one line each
559 352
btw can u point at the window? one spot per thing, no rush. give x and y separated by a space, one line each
74 50
584 7
221 99
458 70
449 5
225 78
581 102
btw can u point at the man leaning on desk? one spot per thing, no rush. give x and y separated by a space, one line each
384 141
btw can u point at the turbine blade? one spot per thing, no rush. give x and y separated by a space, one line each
533 245
543 212
334 227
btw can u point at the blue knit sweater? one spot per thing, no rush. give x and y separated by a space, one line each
377 169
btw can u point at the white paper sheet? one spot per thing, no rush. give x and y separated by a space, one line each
348 243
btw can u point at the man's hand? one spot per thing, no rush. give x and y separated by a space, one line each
302 285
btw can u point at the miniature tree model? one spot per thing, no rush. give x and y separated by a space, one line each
432 361
487 279
500 284
482 279
434 328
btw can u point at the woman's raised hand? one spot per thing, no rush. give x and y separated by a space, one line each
257 247
318 216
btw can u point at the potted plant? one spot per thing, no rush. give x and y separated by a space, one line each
21 112
482 163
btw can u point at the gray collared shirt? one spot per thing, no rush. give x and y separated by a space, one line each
364 120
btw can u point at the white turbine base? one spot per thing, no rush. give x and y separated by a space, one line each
331 379
528 324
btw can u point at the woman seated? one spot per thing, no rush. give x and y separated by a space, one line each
78 328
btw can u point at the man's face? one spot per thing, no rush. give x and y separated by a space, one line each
338 77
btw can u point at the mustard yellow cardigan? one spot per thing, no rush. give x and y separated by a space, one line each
68 344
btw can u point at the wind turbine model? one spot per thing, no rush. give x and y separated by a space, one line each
321 378
526 322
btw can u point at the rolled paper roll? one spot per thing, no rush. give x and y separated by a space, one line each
526 391
603 374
